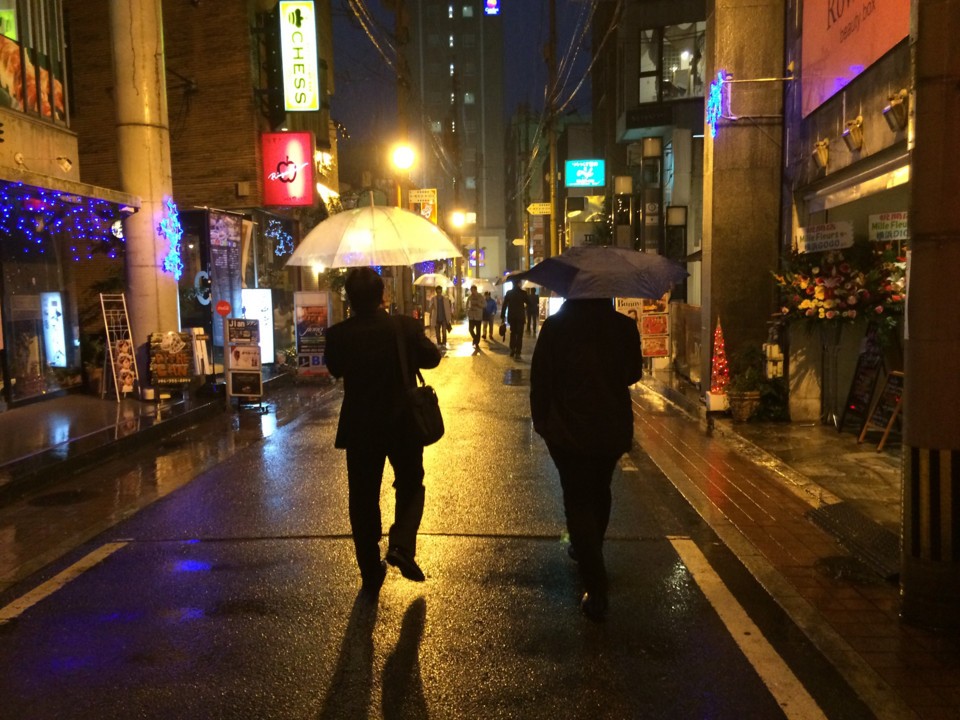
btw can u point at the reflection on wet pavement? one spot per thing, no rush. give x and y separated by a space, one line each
51 520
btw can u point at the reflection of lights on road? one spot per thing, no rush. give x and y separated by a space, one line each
191 566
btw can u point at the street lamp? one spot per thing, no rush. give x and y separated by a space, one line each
403 159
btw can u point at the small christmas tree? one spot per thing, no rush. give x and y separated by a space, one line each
719 370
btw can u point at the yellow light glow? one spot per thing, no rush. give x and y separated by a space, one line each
317 268
459 219
403 157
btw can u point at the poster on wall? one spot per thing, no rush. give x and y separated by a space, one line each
54 339
225 280
842 39
312 318
653 323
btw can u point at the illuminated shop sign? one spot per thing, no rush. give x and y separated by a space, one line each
842 38
491 7
584 173
298 46
287 168
827 236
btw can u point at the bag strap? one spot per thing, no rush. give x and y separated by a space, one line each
402 352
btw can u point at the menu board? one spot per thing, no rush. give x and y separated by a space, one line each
224 270
865 375
886 407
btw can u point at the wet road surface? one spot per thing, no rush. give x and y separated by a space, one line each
217 579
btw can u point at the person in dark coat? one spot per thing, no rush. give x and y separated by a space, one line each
373 425
587 357
515 313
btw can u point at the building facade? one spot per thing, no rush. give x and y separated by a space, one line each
455 58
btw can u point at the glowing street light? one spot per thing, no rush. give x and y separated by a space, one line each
403 157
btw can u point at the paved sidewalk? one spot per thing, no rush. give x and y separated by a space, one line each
761 488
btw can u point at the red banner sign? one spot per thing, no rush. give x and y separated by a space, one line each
288 168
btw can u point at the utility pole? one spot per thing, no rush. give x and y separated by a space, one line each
143 148
403 280
551 110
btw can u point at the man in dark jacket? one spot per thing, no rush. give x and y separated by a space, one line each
373 425
587 357
515 313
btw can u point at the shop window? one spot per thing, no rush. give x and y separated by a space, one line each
31 58
671 62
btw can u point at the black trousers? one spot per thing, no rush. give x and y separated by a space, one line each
474 326
516 338
364 477
585 480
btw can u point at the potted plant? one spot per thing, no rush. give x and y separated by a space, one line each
746 380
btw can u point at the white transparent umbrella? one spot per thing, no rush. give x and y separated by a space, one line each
483 285
431 280
373 235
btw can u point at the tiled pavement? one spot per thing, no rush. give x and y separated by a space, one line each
759 506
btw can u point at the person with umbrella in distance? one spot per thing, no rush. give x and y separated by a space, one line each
363 351
441 315
514 312
587 357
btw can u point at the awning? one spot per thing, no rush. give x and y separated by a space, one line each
126 204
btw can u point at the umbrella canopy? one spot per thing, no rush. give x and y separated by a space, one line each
373 235
431 280
606 272
483 285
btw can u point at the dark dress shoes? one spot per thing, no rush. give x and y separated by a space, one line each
594 606
405 564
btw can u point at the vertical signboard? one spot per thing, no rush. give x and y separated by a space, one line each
298 48
312 315
287 168
258 305
225 280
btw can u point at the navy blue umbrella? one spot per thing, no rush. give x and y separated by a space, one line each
606 272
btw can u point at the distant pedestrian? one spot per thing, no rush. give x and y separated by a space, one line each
587 357
475 308
441 315
515 313
489 313
373 427
533 312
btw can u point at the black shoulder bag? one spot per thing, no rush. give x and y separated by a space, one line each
421 399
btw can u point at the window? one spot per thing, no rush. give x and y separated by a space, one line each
471 183
469 98
436 127
453 98
451 70
451 41
450 11
32 77
468 11
469 40
671 62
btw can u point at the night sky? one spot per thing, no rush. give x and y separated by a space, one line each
365 97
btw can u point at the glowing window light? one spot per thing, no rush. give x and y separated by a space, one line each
170 230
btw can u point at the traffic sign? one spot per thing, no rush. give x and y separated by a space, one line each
541 208
223 308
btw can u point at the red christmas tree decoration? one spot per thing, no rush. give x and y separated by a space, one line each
719 370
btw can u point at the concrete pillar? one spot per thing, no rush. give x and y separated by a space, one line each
930 570
143 140
742 175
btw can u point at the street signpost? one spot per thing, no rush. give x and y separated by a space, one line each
539 208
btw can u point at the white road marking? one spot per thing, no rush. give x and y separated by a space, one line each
792 697
58 581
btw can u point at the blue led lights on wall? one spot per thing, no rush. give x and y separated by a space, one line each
715 101
283 239
171 230
39 216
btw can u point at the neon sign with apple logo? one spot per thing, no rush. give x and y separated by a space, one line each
287 168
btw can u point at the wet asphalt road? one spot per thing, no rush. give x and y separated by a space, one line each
232 590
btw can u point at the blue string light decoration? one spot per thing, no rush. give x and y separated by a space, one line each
39 216
276 233
171 230
715 102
